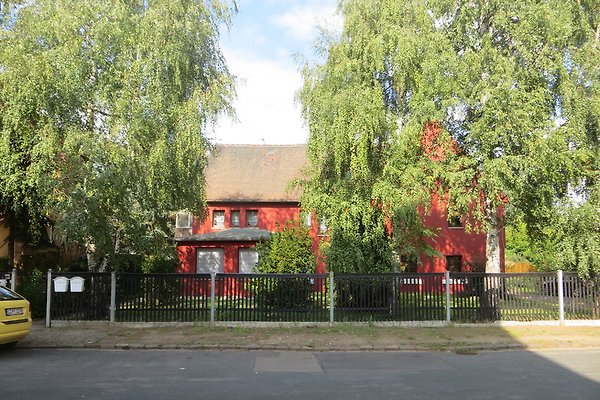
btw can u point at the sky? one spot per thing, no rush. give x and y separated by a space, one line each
264 49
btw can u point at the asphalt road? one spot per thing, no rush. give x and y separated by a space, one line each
111 374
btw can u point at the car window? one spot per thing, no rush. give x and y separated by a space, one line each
6 294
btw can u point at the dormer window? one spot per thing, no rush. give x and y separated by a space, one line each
183 220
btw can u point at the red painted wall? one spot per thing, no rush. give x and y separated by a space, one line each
455 242
449 242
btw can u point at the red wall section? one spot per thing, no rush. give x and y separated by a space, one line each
449 242
269 214
455 242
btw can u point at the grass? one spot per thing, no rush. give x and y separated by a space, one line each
408 307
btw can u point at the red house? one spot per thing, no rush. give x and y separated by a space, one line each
248 194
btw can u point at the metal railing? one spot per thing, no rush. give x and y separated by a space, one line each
456 297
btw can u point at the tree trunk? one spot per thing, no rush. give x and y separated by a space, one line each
489 299
492 242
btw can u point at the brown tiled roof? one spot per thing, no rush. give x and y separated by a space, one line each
254 172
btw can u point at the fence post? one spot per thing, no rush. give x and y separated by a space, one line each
212 296
561 297
13 279
113 295
331 302
48 297
447 276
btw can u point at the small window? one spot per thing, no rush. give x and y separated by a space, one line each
183 220
306 219
455 221
235 218
218 220
454 263
408 264
252 218
322 226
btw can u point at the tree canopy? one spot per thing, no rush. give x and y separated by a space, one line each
512 88
104 110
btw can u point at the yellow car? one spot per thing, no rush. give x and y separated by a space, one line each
15 317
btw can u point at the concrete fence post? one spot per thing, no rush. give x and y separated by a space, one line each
561 296
13 279
48 298
448 308
331 302
113 295
212 296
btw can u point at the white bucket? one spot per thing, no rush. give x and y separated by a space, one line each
76 284
61 283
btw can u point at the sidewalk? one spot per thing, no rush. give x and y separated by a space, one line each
309 338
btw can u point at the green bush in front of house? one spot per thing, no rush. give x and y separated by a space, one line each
288 251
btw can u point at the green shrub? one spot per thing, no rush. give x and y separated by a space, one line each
33 287
159 264
288 251
125 263
287 293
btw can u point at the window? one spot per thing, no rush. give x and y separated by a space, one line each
455 221
306 218
454 263
408 264
322 226
183 220
252 218
248 258
218 220
209 261
235 218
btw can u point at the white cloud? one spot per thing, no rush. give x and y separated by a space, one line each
301 22
265 105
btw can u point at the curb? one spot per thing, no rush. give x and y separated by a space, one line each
255 348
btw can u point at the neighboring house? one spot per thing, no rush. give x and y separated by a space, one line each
248 194
4 233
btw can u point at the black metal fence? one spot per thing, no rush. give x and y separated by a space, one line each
458 297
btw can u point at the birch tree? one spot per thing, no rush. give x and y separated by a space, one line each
105 108
513 86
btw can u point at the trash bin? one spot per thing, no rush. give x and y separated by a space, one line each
61 283
76 284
